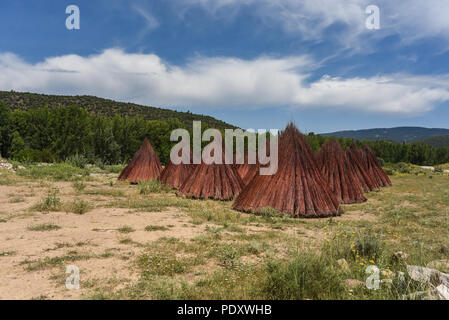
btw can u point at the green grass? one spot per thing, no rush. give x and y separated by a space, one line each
125 229
79 186
8 178
105 192
126 241
156 228
70 257
49 203
7 253
44 227
16 200
78 206
148 187
55 172
152 203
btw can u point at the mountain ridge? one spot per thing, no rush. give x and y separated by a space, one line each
105 107
395 134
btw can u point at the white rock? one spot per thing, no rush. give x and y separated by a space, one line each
442 291
428 275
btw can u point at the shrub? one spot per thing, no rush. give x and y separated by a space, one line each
352 246
78 206
79 185
125 229
77 160
50 203
100 164
306 276
28 155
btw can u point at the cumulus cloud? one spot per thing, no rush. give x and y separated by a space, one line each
220 82
411 19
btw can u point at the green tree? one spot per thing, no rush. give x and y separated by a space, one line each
17 143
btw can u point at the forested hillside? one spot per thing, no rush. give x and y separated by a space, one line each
417 153
398 134
104 107
438 141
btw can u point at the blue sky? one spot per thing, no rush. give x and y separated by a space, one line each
252 63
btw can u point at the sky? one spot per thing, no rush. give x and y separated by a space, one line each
252 63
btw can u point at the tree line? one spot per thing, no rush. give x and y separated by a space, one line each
54 134
417 153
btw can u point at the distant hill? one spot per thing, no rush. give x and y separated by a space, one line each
399 134
437 141
105 107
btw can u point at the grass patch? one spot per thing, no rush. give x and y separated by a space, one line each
79 186
44 227
78 206
56 172
154 186
156 228
49 203
153 203
7 253
125 229
164 263
126 241
46 263
105 192
16 200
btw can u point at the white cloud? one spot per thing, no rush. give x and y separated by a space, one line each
151 22
411 19
220 82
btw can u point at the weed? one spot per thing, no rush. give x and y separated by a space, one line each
78 185
156 228
44 227
50 203
153 186
7 253
125 229
78 206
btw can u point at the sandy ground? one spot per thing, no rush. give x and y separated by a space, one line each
94 233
